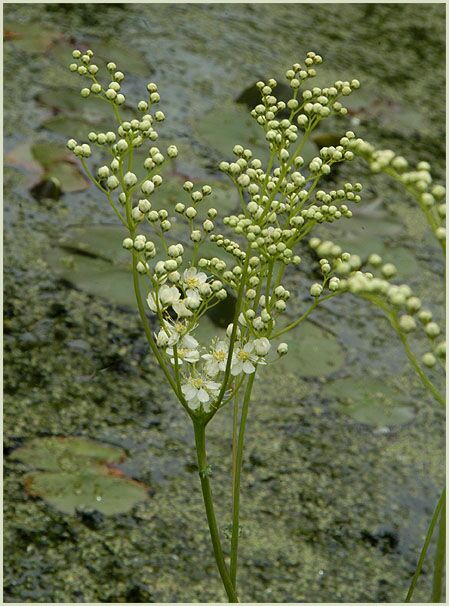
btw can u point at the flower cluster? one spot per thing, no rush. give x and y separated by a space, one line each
343 274
418 182
281 203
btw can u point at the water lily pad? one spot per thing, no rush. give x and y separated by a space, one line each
369 400
45 162
66 453
92 259
91 490
29 37
224 127
312 352
74 127
68 101
77 472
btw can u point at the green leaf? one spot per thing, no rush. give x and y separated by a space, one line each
29 37
369 400
312 352
66 453
89 489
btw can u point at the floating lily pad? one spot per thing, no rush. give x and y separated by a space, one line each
66 453
222 128
369 400
312 352
48 161
78 473
91 490
250 96
29 37
69 101
92 259
72 127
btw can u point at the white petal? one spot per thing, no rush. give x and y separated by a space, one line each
203 396
248 368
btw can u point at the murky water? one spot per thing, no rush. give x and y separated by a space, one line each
332 509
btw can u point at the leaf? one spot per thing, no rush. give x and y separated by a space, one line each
29 37
47 161
312 352
89 489
76 128
369 400
66 453
79 473
224 127
68 175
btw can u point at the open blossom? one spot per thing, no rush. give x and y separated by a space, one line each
187 350
167 295
171 334
245 359
192 279
199 391
216 359
183 306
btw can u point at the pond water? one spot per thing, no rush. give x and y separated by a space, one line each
344 459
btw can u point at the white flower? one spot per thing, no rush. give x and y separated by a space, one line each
181 309
198 391
176 331
168 295
262 346
216 360
186 350
192 279
244 360
162 339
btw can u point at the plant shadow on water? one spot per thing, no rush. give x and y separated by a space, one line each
343 451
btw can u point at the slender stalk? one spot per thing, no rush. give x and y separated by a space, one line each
200 441
414 362
236 482
438 569
425 547
235 414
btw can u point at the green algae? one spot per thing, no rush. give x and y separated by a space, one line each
331 511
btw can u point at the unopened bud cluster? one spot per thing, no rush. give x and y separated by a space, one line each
281 203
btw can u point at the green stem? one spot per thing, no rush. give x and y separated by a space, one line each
414 362
422 556
438 569
236 481
200 441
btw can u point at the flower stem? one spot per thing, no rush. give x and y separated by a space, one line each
433 521
414 362
237 470
200 441
438 568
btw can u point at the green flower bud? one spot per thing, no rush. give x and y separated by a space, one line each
429 359
407 323
316 290
282 349
432 330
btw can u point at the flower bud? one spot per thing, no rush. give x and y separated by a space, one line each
316 290
130 179
261 346
282 349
